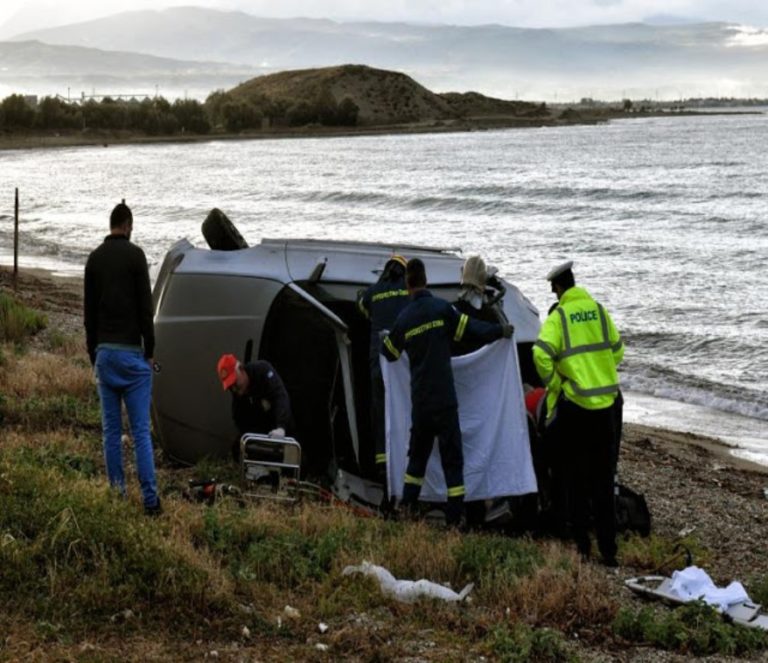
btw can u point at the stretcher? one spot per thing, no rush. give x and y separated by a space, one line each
744 613
270 467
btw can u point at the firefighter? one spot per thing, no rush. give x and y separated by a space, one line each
473 300
381 303
425 329
260 402
576 355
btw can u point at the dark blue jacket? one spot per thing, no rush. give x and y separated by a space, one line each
382 303
248 410
425 329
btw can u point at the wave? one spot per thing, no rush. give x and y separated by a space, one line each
672 385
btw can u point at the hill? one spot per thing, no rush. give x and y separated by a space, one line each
668 61
382 97
35 67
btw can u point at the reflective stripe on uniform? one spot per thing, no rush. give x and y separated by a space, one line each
362 308
463 320
617 346
389 345
548 378
546 347
434 324
456 491
597 391
381 458
603 323
414 481
389 294
564 324
581 349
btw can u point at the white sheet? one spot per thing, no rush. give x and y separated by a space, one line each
693 583
494 428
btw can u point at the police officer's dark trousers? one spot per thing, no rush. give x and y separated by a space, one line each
586 440
425 426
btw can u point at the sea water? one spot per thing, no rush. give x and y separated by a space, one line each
665 218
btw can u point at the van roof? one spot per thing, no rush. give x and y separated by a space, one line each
295 259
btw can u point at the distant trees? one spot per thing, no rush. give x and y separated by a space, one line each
157 116
53 113
17 113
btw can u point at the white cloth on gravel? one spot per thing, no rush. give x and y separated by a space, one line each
693 583
494 426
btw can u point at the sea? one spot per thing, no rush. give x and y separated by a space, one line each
665 218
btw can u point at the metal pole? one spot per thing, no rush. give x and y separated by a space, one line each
16 241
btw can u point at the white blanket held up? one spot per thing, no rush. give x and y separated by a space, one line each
494 429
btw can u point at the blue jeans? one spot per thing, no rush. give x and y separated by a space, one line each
126 376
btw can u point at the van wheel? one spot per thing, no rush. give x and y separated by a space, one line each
220 232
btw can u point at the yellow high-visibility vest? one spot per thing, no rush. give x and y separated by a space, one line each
577 352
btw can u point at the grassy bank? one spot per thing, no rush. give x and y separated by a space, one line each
86 575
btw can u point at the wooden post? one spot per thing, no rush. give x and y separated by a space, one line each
16 242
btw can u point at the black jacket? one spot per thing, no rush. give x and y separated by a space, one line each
248 411
118 298
425 330
468 343
382 303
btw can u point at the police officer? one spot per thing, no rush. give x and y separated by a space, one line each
576 356
381 303
425 329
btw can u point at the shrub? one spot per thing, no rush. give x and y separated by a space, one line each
17 322
694 628
495 560
660 554
520 643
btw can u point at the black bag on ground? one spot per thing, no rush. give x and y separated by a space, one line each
632 514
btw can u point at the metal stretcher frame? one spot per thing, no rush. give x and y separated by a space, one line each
277 459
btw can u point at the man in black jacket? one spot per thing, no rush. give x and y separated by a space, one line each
120 339
260 402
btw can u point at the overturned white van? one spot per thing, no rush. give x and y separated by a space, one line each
293 303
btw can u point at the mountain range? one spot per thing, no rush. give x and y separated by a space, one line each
216 48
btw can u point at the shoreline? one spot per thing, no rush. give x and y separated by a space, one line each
105 138
59 295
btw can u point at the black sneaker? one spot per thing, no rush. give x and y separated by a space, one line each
610 562
153 511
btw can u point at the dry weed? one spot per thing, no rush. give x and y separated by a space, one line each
43 375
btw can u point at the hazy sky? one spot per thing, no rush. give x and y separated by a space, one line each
31 14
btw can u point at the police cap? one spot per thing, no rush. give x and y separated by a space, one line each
560 269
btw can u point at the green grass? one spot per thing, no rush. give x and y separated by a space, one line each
694 628
51 412
520 643
18 322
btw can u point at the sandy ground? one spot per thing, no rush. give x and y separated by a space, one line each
693 485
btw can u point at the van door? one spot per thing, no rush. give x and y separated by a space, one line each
345 361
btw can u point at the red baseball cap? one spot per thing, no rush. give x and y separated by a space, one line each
227 370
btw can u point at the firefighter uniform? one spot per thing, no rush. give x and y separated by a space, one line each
425 330
381 304
576 355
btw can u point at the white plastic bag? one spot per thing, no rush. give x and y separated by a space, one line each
407 591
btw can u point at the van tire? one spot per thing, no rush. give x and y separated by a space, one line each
220 232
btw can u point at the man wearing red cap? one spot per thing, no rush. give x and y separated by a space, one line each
260 402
